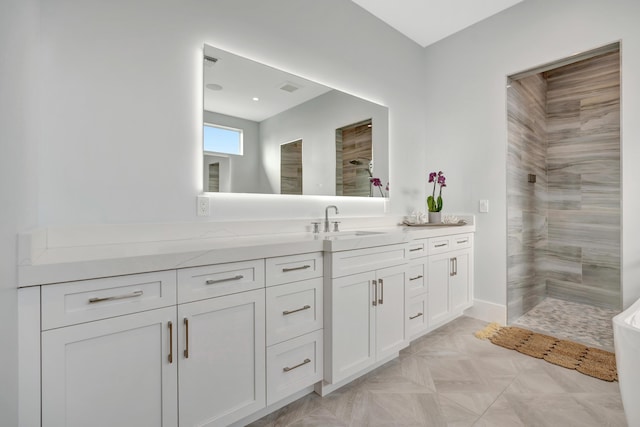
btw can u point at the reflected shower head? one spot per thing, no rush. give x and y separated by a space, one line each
358 161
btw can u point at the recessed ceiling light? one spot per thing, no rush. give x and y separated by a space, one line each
213 86
255 98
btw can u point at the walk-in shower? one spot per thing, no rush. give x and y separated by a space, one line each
563 183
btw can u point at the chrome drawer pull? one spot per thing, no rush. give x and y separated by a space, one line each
381 300
186 341
304 267
287 369
463 241
131 295
306 307
441 245
170 342
413 317
415 249
229 279
416 278
375 289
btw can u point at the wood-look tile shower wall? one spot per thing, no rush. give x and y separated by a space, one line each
575 248
526 202
583 164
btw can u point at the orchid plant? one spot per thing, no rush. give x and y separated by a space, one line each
377 183
435 204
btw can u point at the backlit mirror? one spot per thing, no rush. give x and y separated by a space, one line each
268 131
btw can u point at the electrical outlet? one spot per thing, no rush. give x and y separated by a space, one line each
484 206
202 206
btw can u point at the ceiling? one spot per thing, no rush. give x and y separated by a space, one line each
427 21
240 87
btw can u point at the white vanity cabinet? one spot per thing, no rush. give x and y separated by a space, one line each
221 351
106 362
364 308
294 324
450 277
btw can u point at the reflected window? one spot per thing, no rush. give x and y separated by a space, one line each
220 139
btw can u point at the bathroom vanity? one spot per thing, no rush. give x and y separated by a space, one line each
222 330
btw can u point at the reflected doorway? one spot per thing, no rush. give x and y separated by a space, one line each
354 159
291 168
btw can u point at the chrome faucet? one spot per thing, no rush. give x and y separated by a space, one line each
326 216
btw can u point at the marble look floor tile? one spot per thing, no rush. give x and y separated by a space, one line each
449 378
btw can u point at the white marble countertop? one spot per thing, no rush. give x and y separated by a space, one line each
66 254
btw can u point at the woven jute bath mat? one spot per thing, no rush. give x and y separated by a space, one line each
587 360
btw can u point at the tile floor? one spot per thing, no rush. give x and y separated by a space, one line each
451 378
578 322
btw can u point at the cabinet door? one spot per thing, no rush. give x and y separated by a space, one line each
352 335
459 283
112 372
390 330
222 359
438 283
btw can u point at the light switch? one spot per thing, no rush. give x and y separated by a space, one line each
484 206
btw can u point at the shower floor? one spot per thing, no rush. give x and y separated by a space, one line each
573 321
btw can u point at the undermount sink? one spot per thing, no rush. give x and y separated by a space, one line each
359 239
356 233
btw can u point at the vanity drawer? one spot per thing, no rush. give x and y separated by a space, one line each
291 268
356 261
438 245
210 281
417 280
293 365
293 309
417 249
417 315
461 241
87 300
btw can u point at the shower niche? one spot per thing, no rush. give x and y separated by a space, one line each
563 227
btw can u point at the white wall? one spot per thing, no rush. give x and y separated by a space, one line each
466 113
123 80
18 182
315 122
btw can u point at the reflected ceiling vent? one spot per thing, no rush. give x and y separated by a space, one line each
210 61
289 87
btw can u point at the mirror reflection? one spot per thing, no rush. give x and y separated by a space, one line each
271 132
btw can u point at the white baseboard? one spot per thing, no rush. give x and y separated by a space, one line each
487 311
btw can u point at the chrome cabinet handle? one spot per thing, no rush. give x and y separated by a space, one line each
441 245
416 316
286 312
463 241
415 249
304 267
131 295
452 271
417 277
455 264
170 342
375 290
381 300
186 334
287 369
228 279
